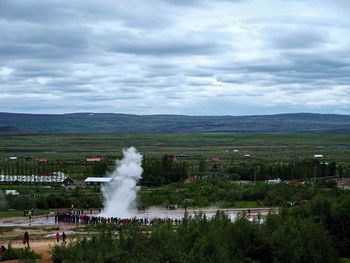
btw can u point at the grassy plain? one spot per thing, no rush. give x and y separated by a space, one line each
65 146
74 147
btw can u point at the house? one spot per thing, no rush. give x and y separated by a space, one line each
172 159
13 158
343 182
247 156
94 159
214 159
192 179
90 181
318 156
11 192
43 161
274 181
57 178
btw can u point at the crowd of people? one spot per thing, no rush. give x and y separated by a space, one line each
81 217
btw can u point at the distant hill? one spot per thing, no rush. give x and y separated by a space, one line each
6 128
110 122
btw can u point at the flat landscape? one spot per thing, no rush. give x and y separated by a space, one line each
219 161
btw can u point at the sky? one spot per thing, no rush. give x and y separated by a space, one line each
194 57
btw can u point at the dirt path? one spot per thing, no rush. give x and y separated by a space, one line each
41 247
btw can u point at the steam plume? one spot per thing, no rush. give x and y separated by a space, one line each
121 192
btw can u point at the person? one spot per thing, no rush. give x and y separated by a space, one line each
2 249
64 238
58 237
26 238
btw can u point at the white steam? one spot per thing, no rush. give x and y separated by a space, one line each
121 192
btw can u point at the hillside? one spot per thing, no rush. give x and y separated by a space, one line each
109 122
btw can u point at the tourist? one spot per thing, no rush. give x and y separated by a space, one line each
26 238
2 249
58 237
64 238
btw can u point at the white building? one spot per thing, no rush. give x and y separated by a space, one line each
56 178
97 180
11 192
274 181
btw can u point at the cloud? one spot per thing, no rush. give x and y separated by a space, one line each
177 57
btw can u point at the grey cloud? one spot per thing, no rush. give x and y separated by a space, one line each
163 47
125 55
287 37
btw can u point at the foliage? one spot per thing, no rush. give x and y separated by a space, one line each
199 239
23 254
211 191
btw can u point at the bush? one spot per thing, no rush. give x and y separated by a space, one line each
281 238
23 254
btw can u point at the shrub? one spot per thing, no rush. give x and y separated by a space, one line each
23 254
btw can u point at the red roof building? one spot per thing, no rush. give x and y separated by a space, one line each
43 160
172 159
94 159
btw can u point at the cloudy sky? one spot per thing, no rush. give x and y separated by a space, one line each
195 57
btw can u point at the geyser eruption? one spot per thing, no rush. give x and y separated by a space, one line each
121 192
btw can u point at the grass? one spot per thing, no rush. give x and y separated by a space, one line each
65 151
79 145
19 213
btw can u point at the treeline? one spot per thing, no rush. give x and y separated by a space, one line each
58 198
225 193
316 232
167 169
303 169
160 171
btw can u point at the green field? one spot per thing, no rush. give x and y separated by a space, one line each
265 146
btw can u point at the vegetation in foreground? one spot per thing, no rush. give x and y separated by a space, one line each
22 254
318 231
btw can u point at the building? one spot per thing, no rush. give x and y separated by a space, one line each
94 159
57 178
43 160
214 159
182 155
90 181
13 158
172 159
11 192
274 181
318 156
192 178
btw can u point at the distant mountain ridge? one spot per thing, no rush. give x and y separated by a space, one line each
111 122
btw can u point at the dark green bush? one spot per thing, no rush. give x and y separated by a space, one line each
23 254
